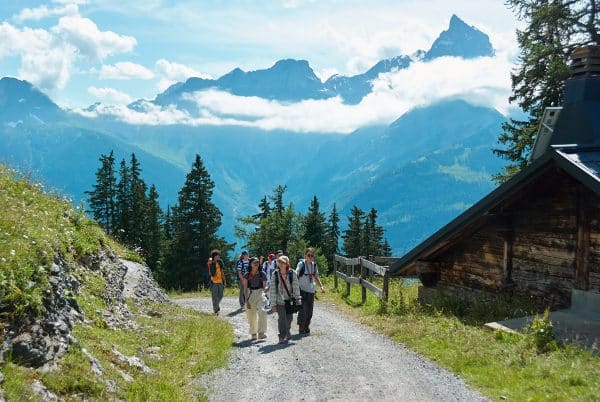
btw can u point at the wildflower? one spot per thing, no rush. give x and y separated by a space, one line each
3 259
13 252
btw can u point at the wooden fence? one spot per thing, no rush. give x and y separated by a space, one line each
349 265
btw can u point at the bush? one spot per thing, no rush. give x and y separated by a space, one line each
539 334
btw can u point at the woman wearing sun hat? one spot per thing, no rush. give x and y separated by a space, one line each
284 287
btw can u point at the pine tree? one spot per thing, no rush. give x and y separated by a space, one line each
277 199
387 249
103 197
554 28
372 235
353 235
123 202
264 207
196 220
153 231
314 226
332 237
138 204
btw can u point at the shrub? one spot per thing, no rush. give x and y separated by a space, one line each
539 334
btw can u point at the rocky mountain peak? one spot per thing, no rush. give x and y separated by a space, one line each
460 40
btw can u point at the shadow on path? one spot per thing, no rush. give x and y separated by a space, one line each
235 312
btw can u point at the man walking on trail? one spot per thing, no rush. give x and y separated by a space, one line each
217 279
242 269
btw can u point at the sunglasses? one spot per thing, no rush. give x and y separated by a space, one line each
310 255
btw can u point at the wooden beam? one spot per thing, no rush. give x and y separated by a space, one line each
371 266
347 279
582 249
368 285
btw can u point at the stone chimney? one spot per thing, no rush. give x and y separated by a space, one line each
579 120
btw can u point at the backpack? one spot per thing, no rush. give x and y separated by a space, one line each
303 269
290 278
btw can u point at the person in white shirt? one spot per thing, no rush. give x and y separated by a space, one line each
308 277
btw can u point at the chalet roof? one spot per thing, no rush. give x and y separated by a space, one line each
582 163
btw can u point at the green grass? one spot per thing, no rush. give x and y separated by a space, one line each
501 366
204 292
34 228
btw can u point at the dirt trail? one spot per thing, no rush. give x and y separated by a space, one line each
341 360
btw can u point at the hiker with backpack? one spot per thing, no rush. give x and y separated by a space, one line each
285 296
217 279
242 269
255 282
308 277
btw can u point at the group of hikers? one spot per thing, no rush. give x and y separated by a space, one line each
270 286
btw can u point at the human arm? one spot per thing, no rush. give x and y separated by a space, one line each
296 287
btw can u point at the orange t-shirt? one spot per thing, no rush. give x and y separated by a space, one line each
218 276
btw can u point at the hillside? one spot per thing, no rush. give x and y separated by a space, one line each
73 325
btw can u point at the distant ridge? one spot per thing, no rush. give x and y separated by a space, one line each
295 80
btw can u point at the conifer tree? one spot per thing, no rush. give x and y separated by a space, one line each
196 220
277 199
314 225
553 29
102 198
353 235
332 236
153 231
264 207
138 205
123 202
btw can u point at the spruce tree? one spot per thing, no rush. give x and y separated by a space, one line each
553 29
153 231
123 202
314 225
264 207
332 237
196 220
277 199
103 197
353 235
138 205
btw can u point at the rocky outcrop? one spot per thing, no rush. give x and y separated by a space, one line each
41 341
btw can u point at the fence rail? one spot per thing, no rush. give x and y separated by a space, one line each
348 266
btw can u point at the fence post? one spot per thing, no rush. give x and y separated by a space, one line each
335 278
363 290
386 284
348 283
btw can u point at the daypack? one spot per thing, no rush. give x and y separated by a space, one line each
303 269
290 278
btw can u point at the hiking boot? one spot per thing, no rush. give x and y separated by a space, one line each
262 336
254 337
301 329
288 336
282 339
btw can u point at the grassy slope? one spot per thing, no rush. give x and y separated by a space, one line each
177 344
501 366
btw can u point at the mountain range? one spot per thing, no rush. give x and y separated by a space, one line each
418 172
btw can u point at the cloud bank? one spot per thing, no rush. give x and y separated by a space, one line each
125 71
484 81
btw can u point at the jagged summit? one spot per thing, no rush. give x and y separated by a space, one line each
294 80
460 40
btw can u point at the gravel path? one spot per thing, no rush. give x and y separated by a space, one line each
341 360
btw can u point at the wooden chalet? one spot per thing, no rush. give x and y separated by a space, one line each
538 234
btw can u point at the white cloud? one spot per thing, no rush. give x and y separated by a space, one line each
171 73
90 41
484 81
38 13
110 95
45 61
125 71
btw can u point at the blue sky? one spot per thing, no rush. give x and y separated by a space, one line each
83 51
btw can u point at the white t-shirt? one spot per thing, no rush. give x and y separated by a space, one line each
307 280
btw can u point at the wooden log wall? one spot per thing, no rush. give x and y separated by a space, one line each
542 241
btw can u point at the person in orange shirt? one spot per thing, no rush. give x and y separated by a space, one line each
217 278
